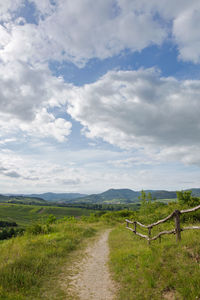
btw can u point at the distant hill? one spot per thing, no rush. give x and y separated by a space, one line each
58 196
119 194
109 196
195 192
21 199
163 194
128 196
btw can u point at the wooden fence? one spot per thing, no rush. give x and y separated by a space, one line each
177 230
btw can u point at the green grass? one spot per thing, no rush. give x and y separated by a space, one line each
28 262
166 200
31 264
144 272
23 215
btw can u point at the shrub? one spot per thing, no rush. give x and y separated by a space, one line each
51 219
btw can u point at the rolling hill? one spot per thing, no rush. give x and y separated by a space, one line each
109 196
128 196
58 196
21 199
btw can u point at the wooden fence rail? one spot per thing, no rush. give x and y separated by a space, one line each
177 230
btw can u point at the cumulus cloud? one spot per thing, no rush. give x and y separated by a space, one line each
187 35
62 29
8 7
27 88
46 125
34 170
26 95
139 109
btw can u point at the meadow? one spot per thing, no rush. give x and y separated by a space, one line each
24 215
31 264
165 270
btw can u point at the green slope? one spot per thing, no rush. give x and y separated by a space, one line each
25 214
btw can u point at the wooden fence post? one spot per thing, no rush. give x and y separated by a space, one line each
149 231
177 225
135 226
127 224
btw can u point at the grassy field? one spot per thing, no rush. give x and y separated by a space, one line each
166 200
29 262
23 215
165 270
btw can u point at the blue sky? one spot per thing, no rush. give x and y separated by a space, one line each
98 95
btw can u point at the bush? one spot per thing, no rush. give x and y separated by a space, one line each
51 219
186 198
35 229
7 233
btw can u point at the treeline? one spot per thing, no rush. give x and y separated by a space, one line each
7 224
103 206
28 203
7 233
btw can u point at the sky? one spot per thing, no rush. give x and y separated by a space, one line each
99 94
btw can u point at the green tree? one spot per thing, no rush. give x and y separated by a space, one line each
51 219
143 197
149 197
186 198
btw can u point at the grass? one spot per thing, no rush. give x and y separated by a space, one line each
23 215
31 264
166 201
158 271
28 262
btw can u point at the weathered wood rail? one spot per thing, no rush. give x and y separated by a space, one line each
177 230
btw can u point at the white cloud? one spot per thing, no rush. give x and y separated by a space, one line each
26 94
187 35
8 7
41 173
135 109
75 30
45 170
139 109
46 125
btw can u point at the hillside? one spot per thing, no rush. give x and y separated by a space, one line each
195 192
55 260
26 214
163 194
21 199
123 196
129 196
109 196
58 196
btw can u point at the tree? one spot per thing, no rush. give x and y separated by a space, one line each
186 198
146 202
149 197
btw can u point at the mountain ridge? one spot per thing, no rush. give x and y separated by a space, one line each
111 195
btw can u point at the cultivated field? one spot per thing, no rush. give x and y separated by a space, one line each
23 215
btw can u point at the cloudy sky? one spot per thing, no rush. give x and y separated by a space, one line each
99 94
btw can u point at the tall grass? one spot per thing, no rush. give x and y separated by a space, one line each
156 272
27 262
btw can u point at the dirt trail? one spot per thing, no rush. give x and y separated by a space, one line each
91 279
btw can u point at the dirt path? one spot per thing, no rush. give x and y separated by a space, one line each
91 279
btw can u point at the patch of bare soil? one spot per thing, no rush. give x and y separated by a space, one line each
169 295
89 278
41 210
